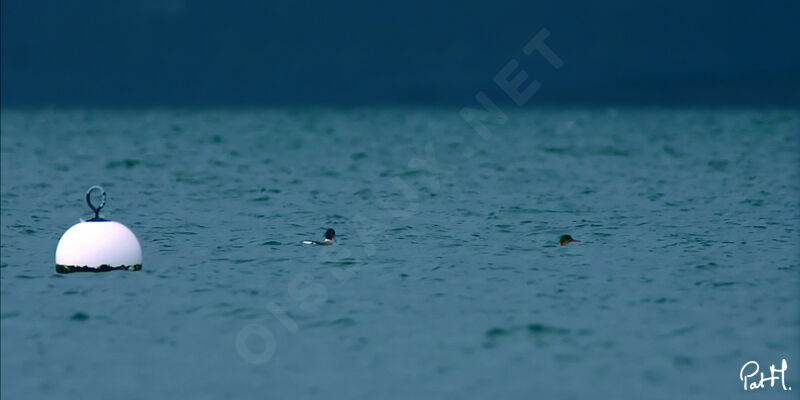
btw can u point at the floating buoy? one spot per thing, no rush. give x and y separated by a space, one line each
98 244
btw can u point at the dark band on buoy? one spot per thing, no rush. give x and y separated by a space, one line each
65 269
89 202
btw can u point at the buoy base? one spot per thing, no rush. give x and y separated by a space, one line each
65 269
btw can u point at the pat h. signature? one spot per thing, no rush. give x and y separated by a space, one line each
750 369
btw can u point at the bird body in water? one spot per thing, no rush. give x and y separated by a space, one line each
566 239
330 237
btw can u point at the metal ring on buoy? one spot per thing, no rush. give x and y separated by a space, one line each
89 200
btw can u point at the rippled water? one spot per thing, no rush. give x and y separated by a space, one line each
447 280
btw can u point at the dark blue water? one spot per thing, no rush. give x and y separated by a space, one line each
447 280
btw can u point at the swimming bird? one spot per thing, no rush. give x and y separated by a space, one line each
330 237
565 239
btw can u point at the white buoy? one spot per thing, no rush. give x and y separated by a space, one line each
98 244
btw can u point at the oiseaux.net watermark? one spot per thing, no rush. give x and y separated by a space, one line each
309 296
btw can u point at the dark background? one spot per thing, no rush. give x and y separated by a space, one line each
201 53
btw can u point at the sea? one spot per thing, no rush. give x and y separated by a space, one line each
447 280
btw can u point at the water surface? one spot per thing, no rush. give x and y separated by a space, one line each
447 280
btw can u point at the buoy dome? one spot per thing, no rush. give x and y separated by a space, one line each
98 245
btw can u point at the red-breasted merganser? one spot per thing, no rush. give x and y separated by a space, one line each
330 237
566 239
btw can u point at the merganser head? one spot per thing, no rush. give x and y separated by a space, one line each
330 234
566 239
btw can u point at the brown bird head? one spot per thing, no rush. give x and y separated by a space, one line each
565 239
